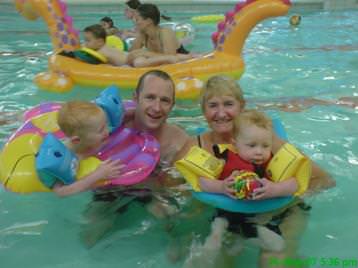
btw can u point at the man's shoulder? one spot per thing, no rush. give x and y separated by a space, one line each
175 129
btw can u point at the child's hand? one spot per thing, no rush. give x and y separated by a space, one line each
109 169
267 190
227 186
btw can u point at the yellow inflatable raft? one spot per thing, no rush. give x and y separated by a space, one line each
189 76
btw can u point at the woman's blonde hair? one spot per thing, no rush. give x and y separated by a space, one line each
74 117
252 117
221 85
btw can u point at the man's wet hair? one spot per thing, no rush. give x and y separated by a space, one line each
158 73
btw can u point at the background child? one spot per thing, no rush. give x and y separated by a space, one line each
108 25
85 127
95 38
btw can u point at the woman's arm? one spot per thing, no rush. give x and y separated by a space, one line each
169 41
320 179
137 43
190 142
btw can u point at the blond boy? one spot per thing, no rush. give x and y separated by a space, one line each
85 127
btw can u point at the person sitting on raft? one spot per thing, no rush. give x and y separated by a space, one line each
95 39
151 36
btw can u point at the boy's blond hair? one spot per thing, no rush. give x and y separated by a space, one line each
252 117
74 117
221 85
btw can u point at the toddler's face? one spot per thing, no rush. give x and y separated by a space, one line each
96 133
254 144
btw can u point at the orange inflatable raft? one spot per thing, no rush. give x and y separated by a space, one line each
63 72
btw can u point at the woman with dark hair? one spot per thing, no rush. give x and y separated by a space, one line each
153 37
131 7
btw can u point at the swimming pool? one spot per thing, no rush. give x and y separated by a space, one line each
320 59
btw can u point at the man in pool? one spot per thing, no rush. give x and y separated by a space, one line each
155 98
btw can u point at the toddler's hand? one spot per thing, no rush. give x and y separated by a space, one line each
227 186
109 169
267 190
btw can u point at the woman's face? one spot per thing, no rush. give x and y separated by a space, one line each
220 112
129 13
142 24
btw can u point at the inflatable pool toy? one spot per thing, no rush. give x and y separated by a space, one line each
245 184
64 72
185 32
34 158
286 163
289 162
138 151
226 59
295 20
208 18
116 42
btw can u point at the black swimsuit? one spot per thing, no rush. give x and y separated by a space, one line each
180 50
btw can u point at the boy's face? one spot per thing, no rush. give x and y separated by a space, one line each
105 24
254 144
96 133
92 42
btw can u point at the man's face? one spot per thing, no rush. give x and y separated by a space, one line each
154 102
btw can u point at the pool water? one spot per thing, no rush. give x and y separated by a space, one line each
317 59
